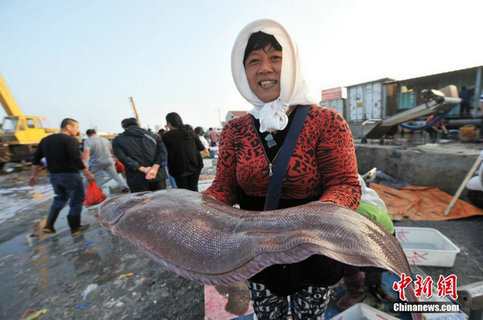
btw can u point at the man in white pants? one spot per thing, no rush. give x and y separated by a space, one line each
98 158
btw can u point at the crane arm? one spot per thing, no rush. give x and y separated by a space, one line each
8 102
135 111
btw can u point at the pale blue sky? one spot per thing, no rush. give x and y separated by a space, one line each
83 59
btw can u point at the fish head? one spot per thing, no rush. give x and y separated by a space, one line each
113 209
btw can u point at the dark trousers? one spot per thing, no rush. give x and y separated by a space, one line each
464 108
476 198
68 186
188 182
148 186
433 134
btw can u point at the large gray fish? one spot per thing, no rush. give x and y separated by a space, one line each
216 244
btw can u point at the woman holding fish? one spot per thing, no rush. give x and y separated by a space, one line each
321 167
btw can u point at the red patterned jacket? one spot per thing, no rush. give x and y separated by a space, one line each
323 162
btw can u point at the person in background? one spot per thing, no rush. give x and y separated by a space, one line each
184 158
465 95
161 132
212 136
143 155
200 132
436 128
97 155
480 105
64 162
322 167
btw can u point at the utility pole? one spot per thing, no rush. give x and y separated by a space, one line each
135 111
219 115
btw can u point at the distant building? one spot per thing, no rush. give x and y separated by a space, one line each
234 114
382 98
408 91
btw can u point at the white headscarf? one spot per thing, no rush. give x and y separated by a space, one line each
293 89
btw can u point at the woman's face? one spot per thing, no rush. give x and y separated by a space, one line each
263 69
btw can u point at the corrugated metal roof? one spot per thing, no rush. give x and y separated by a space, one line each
382 80
435 75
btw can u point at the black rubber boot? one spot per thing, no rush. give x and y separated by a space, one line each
374 285
355 291
75 227
125 190
49 225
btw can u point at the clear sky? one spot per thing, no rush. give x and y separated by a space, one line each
83 59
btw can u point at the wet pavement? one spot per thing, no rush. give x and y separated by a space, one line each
91 276
99 276
466 235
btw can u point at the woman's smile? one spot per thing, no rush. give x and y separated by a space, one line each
267 83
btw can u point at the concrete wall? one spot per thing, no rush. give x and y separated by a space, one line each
440 166
358 131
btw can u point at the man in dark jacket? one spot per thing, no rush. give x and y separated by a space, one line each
64 162
143 154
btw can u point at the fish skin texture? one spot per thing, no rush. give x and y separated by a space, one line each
208 241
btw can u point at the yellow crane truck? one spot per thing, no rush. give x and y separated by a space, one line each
19 134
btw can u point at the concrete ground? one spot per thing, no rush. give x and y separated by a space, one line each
91 276
466 235
468 265
443 165
99 276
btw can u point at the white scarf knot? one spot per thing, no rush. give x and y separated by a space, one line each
272 116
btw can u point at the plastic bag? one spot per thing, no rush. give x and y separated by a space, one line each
94 195
119 167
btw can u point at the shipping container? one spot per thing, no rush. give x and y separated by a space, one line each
366 101
337 104
386 97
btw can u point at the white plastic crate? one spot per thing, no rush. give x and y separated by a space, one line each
362 311
426 246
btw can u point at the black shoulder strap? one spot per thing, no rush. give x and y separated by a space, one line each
275 185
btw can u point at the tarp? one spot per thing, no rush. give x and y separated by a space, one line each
422 203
